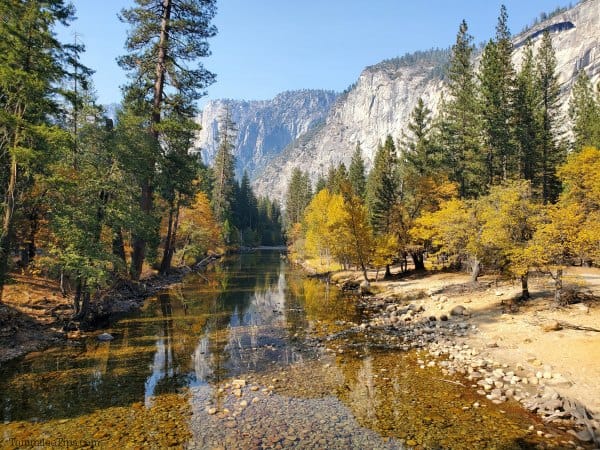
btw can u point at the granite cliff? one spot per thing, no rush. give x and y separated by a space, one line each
264 128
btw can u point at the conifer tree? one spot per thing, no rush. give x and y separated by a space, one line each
584 111
298 196
339 177
419 156
356 173
165 36
383 187
461 134
550 153
32 64
320 184
496 77
382 190
223 172
526 116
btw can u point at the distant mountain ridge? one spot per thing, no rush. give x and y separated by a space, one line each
265 127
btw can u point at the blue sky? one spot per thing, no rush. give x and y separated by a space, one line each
268 46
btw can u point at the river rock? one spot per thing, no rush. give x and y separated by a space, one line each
552 325
104 337
459 310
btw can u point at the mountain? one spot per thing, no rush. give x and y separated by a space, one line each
381 100
264 127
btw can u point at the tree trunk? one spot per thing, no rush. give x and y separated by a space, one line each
365 276
118 245
525 286
77 299
475 270
418 260
139 242
7 223
165 264
33 228
388 272
558 286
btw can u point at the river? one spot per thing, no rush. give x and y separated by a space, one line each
241 356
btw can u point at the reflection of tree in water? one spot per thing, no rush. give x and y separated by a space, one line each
322 301
196 331
363 395
248 326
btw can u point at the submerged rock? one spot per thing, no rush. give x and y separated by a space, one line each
105 337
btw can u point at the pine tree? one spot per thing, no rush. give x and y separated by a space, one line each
496 76
356 173
246 214
224 171
460 138
177 173
298 196
90 199
551 155
336 178
165 36
382 186
320 184
584 111
32 65
526 119
330 181
419 156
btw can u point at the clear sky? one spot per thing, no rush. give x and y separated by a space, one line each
268 46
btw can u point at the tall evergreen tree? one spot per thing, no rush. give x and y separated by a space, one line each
382 187
223 194
419 155
356 173
32 64
526 116
496 77
165 36
178 170
461 136
298 196
320 184
584 111
551 154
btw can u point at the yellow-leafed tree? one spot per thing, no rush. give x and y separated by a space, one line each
322 219
198 232
448 230
570 229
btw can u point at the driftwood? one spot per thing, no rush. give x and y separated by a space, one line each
451 382
578 327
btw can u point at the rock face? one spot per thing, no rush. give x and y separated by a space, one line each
265 127
381 101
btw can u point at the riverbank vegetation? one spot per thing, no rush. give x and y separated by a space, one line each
91 198
498 180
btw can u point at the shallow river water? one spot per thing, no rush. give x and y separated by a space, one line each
239 357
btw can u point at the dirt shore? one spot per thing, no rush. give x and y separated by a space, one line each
35 315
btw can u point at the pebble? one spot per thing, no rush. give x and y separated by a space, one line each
105 337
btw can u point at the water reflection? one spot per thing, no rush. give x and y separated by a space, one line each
251 318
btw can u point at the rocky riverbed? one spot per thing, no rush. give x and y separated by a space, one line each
439 334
